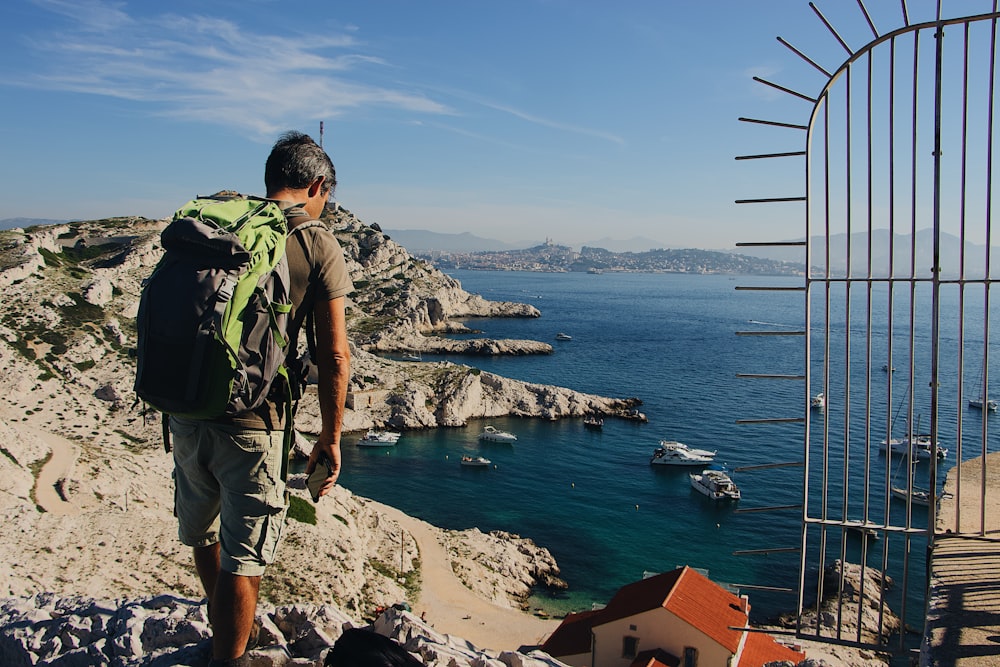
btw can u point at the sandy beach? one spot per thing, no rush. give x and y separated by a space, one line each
453 609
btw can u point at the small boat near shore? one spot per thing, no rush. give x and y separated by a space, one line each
563 336
716 484
379 439
475 461
917 496
673 453
594 423
920 451
493 434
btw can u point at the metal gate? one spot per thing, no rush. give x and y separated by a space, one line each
896 362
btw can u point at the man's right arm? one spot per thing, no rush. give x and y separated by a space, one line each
333 358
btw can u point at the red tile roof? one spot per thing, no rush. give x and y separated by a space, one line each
760 649
691 597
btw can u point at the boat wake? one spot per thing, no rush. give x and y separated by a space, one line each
773 324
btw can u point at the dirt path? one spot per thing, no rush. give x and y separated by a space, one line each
453 609
56 468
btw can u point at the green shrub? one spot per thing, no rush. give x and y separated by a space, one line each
301 510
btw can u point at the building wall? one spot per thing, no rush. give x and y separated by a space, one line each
581 660
657 628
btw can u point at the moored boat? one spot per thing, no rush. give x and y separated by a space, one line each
716 484
979 403
920 451
493 434
917 496
379 439
475 461
673 453
595 423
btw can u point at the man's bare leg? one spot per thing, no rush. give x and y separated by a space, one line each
206 562
234 606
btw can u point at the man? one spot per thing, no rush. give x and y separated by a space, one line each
230 497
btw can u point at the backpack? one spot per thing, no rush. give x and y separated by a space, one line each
213 316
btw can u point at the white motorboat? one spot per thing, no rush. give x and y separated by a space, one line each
475 461
493 434
715 484
595 423
818 401
563 336
920 451
412 356
379 439
673 453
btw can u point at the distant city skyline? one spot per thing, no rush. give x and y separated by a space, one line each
521 120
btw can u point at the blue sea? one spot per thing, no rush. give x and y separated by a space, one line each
591 497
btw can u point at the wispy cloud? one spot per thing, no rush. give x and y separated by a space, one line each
556 125
209 69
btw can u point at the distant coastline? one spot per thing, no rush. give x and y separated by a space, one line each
553 258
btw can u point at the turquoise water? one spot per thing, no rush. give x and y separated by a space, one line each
591 497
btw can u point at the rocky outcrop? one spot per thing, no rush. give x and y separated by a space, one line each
501 567
171 630
849 605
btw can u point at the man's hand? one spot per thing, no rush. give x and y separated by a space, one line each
331 451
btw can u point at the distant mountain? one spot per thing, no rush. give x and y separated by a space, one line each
423 241
11 223
923 254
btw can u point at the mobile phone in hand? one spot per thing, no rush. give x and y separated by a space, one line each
318 477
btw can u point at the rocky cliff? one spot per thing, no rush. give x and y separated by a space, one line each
73 293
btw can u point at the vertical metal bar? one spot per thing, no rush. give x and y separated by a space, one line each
806 458
890 302
866 507
825 500
935 298
910 455
987 276
962 197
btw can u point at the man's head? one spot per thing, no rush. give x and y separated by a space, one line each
298 169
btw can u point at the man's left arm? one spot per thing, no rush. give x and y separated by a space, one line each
333 359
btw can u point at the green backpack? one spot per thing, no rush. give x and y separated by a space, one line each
213 316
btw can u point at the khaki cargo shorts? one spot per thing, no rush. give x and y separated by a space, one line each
228 489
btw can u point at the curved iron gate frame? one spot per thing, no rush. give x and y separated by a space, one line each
823 518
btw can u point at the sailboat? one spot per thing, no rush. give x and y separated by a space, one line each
984 402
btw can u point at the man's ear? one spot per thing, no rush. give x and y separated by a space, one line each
316 187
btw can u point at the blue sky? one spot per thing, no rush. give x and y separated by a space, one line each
575 120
